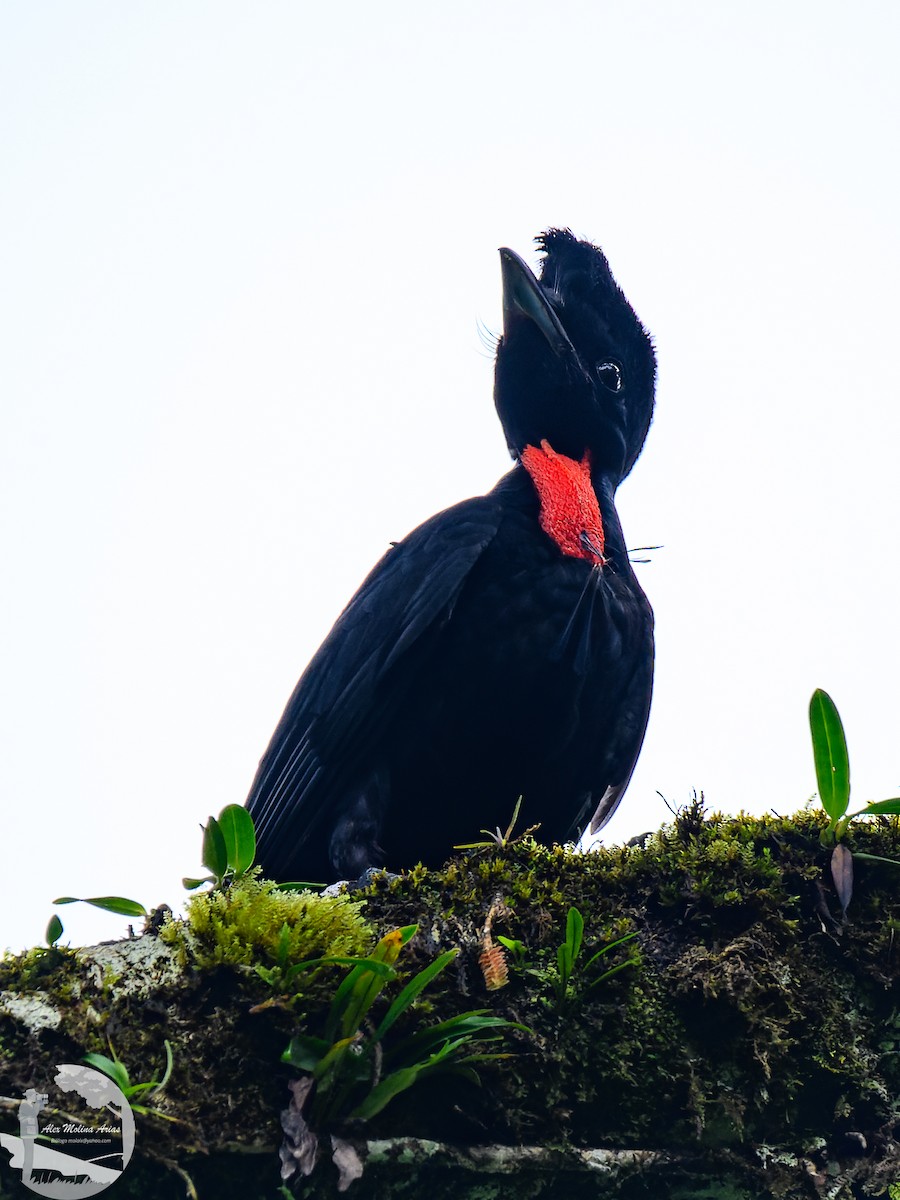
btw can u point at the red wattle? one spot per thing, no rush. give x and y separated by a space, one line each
570 513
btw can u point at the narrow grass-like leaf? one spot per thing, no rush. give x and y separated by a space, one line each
236 826
830 755
876 858
631 962
412 990
469 1025
329 1061
404 1077
606 949
382 1094
883 807
366 966
167 1074
357 993
114 904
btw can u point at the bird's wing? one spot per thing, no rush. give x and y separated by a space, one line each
328 737
628 737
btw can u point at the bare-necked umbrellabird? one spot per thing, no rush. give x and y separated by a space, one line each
504 648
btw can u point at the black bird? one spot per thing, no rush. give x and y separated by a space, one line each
504 648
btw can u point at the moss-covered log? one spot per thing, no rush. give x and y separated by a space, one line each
748 1049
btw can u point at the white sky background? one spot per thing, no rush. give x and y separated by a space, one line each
244 252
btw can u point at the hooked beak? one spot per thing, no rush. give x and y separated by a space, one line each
523 297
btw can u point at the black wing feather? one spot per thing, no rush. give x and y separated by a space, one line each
331 727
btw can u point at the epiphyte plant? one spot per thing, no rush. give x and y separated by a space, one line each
350 1073
833 778
229 850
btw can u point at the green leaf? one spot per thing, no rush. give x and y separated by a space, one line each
215 854
190 884
167 1074
610 946
236 826
412 989
382 1094
574 932
471 1025
330 1060
117 1071
876 858
564 963
139 1089
54 930
568 952
114 904
305 1052
383 970
886 807
511 944
404 1077
830 754
354 999
630 962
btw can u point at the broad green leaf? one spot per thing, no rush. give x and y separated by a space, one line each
215 854
117 1071
512 944
412 989
54 930
304 1052
190 884
564 962
886 807
830 754
114 904
574 932
236 826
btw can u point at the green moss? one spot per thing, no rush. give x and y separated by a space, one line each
755 1017
252 922
751 1010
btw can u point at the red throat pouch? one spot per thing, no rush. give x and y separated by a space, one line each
570 513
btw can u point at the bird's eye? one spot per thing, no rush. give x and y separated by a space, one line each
610 375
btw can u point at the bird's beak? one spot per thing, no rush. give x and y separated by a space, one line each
523 297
